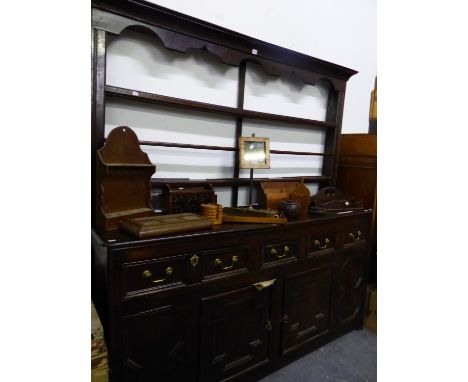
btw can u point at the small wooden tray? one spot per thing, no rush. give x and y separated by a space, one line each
331 199
165 224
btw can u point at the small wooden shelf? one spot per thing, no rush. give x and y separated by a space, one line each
140 96
130 165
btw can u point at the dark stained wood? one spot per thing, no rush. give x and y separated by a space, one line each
332 104
98 80
233 342
357 175
210 108
187 146
304 323
332 140
123 180
239 122
218 314
177 197
224 148
158 182
350 288
213 37
285 152
215 320
147 357
181 32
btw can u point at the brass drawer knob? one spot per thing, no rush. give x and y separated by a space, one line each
275 253
285 319
194 260
219 263
268 326
319 245
355 238
149 276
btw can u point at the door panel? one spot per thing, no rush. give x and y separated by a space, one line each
159 345
236 329
306 307
350 287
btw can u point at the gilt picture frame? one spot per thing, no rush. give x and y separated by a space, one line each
254 152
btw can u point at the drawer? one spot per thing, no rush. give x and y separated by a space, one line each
225 261
154 274
355 231
322 239
280 250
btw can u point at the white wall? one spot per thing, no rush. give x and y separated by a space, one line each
339 31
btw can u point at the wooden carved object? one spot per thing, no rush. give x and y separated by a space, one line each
331 199
301 194
179 198
271 193
123 180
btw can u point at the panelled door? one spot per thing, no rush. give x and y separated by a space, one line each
236 332
351 286
160 345
306 307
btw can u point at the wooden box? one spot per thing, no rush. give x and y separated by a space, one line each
271 193
123 180
164 225
179 198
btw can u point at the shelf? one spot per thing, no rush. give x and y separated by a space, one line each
226 182
129 165
224 148
140 96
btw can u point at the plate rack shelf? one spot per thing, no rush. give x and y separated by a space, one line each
179 32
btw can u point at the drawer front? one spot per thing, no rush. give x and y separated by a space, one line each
355 231
286 249
322 239
154 274
225 261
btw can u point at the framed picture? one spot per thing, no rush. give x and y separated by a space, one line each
254 152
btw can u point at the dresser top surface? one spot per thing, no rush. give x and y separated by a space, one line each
118 238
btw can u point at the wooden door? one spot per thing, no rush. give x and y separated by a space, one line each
160 345
306 308
351 286
236 328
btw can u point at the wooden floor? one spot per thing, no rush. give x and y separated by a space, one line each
351 358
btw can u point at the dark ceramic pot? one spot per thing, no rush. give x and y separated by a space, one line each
289 208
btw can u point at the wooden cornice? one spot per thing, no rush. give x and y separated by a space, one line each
275 59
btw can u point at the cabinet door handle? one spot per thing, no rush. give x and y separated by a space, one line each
354 238
219 263
285 319
194 261
319 245
149 276
268 326
263 284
